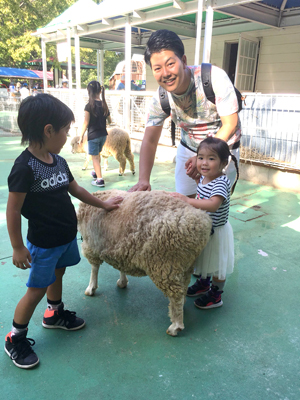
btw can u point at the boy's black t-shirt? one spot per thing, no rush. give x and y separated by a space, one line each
97 124
51 215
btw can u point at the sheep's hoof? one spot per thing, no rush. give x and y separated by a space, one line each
90 291
133 172
83 169
174 329
122 284
120 174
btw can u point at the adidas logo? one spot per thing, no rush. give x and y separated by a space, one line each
54 180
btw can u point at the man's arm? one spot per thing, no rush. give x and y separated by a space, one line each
228 128
147 155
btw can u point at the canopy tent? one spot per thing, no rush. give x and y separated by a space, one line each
40 74
6 72
102 26
126 26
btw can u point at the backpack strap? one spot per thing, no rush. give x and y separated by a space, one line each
206 82
164 100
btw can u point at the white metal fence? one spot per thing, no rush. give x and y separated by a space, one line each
271 130
270 123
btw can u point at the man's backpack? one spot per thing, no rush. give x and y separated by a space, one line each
208 90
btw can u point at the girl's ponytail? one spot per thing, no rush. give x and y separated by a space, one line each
93 89
237 172
104 104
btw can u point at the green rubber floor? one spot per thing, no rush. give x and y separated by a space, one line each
247 349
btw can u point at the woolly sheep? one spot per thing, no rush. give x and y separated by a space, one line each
151 233
117 144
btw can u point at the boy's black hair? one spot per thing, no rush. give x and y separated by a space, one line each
163 39
221 148
38 111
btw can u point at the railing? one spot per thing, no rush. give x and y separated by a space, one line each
270 123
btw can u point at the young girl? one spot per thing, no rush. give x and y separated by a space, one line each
95 115
213 196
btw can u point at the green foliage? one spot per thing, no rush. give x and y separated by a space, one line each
19 18
111 59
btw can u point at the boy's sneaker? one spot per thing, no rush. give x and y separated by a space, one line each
94 175
212 299
62 319
197 289
19 349
98 182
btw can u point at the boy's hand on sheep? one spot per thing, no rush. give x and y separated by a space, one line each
112 203
179 196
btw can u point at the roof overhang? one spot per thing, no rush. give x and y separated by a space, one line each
105 28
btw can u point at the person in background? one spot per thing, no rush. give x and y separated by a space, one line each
24 91
12 87
96 113
121 85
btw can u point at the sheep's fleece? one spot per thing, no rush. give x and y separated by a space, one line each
151 233
117 144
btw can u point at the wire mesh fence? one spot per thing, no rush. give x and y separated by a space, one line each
270 122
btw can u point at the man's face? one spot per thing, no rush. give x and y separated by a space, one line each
170 71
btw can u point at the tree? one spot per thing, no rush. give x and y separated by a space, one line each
18 20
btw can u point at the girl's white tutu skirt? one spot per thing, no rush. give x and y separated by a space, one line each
217 258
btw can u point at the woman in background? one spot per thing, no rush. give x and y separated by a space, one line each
96 113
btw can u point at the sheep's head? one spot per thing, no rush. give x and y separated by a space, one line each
76 147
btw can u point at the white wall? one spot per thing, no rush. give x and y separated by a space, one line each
279 59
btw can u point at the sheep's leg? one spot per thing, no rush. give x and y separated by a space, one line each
122 282
122 161
93 285
176 315
86 163
128 154
105 163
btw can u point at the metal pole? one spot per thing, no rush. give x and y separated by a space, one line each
98 66
69 55
77 60
198 35
208 33
44 62
127 72
101 66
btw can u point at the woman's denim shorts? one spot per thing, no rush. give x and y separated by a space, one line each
95 145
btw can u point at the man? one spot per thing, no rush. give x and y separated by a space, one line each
190 110
24 91
65 84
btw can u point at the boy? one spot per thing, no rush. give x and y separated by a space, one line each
190 110
39 183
